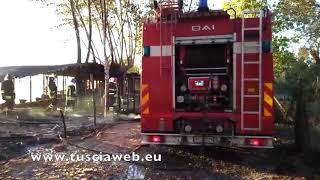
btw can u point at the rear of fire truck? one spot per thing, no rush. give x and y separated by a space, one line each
207 78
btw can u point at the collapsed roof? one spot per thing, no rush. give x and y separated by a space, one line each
83 69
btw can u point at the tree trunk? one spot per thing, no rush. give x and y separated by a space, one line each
93 100
106 88
90 32
106 63
316 56
76 28
302 133
77 32
89 35
120 82
298 122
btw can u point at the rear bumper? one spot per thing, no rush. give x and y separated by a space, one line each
207 140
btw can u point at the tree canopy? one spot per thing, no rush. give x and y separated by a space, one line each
302 17
113 26
240 5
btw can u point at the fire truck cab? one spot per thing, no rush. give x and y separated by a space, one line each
207 78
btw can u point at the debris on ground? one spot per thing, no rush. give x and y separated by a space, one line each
176 162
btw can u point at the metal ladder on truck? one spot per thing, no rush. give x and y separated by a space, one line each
173 5
249 47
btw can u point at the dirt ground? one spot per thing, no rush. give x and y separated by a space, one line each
176 162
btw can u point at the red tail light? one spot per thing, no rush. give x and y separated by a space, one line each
155 138
255 142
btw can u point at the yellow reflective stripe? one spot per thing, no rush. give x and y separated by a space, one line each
268 99
145 99
267 113
268 85
144 87
146 111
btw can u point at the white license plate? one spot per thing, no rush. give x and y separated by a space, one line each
172 139
210 140
207 140
197 139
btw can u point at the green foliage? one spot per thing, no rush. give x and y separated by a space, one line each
134 69
240 5
303 54
303 78
303 87
282 57
302 17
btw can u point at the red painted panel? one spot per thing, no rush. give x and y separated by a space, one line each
267 125
251 71
251 23
159 80
251 57
267 66
251 121
238 83
204 27
151 34
251 104
251 88
152 122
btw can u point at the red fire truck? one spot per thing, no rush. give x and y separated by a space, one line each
207 78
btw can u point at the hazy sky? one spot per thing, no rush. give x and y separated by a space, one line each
28 35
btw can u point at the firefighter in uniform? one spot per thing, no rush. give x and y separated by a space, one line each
71 95
52 93
7 92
